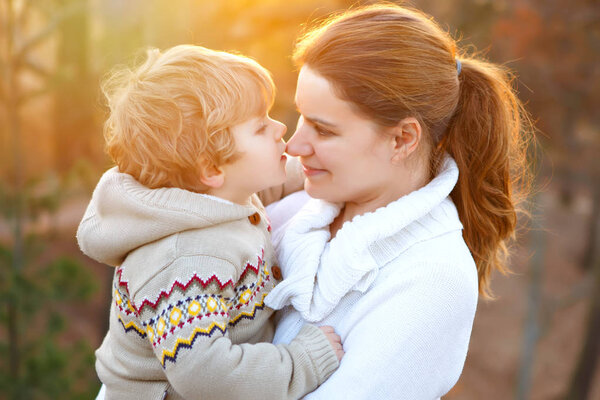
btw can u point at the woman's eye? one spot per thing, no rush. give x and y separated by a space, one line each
323 132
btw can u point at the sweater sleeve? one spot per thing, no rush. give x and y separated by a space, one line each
190 334
412 344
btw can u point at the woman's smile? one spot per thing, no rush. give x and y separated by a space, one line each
311 171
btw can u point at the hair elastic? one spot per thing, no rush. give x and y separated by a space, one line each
458 66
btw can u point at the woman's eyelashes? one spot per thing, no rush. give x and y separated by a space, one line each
322 131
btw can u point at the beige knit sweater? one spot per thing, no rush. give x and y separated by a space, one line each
188 318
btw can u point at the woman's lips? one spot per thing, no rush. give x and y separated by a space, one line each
308 171
283 157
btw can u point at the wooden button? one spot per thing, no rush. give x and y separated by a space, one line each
254 218
276 272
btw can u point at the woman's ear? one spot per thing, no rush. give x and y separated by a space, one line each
211 176
406 138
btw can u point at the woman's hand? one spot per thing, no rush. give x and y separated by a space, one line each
334 340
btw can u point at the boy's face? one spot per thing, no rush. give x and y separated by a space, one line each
260 163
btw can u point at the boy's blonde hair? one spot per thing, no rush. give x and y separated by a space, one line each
170 116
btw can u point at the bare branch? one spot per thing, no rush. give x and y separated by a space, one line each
47 31
36 67
2 18
24 13
2 67
33 94
43 6
2 92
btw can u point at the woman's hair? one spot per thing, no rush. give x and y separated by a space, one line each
391 62
170 116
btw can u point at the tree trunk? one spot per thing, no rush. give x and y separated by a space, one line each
532 330
15 186
74 105
581 382
592 245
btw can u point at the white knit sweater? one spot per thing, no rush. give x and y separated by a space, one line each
399 285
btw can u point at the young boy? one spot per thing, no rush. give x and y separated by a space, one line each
192 142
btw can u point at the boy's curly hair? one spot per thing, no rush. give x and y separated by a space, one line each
170 116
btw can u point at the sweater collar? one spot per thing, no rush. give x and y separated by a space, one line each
319 272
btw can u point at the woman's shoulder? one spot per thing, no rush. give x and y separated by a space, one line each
441 261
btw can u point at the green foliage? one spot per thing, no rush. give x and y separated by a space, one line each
51 365
40 291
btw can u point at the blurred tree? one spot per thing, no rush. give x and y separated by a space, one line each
556 48
36 286
74 102
587 364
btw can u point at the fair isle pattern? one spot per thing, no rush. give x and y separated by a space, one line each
186 311
182 343
249 315
189 343
131 326
246 293
126 313
218 313
193 309
183 287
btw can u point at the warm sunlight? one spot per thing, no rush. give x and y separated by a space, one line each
535 340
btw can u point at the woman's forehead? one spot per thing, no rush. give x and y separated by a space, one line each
317 101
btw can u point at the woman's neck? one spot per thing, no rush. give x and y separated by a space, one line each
353 208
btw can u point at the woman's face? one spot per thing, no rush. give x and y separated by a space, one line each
344 156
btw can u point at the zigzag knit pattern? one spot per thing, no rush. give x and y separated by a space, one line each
184 286
178 324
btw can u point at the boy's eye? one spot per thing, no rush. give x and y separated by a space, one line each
261 130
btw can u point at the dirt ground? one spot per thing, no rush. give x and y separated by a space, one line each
493 363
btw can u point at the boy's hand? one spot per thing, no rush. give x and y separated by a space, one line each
334 339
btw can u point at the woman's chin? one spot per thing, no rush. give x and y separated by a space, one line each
319 192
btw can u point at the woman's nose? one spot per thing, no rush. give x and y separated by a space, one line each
298 145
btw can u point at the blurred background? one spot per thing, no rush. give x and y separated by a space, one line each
540 337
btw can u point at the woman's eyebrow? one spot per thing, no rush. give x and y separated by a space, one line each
316 120
319 121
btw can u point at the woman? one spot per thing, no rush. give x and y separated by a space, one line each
411 152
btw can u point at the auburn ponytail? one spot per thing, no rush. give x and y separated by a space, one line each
392 62
487 137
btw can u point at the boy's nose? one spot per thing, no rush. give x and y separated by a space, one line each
281 130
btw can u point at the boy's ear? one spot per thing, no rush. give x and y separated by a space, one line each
211 176
406 137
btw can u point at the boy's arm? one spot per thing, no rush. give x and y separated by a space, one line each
190 334
294 182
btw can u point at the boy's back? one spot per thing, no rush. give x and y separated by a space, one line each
206 260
